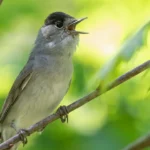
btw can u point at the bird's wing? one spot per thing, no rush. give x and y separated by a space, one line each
19 85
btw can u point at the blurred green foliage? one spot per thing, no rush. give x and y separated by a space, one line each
116 118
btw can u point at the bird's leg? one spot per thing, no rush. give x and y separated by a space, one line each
21 133
22 137
63 113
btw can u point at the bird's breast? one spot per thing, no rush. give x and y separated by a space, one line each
42 94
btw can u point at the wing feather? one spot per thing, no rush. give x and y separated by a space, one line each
19 85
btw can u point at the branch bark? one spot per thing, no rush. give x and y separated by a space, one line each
1 2
140 143
77 104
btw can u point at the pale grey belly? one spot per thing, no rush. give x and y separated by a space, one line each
39 98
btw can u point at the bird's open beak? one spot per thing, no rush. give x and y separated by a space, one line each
71 27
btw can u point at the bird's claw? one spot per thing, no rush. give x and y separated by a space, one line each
22 137
63 113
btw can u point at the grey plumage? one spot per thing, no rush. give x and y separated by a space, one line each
45 79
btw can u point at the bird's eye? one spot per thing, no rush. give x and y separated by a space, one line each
59 24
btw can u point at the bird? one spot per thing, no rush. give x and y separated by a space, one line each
45 78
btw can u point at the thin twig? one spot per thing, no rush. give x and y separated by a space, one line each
77 104
1 2
140 143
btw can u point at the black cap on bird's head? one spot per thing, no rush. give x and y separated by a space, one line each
56 16
58 19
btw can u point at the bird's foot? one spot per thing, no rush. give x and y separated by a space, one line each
63 113
23 138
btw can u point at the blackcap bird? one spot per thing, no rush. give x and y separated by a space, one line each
45 78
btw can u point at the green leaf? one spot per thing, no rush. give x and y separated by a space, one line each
132 45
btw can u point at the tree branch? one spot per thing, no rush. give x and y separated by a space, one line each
77 104
140 143
1 2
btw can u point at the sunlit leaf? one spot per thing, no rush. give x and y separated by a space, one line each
132 45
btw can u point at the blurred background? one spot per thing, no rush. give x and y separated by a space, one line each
116 118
